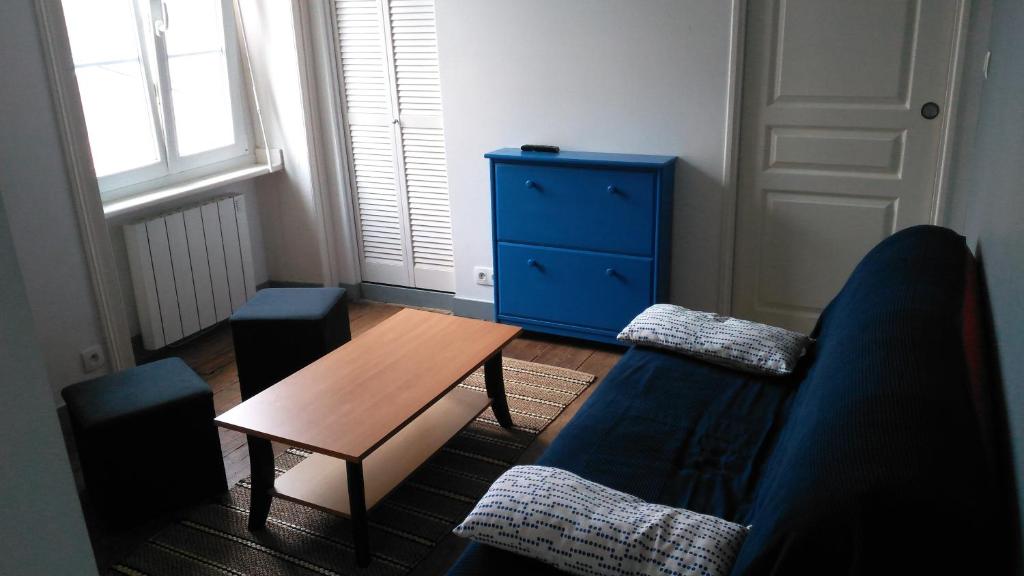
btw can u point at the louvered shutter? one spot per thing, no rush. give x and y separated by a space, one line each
418 89
389 68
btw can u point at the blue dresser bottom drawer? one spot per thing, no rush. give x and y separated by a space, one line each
570 287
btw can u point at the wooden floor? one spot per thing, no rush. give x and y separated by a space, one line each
212 357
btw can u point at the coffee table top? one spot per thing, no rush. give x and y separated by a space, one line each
352 400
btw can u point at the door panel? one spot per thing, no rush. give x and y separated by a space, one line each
835 52
831 151
801 276
834 152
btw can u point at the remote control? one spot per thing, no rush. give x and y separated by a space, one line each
539 148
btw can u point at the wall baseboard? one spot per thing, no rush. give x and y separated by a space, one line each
367 291
287 284
64 419
352 291
470 308
406 296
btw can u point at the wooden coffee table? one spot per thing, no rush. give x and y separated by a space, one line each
372 412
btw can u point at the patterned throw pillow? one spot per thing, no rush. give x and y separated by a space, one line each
586 528
730 342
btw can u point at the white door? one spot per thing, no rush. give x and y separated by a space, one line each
836 153
391 87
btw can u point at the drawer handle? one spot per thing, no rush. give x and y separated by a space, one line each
610 272
531 263
531 184
613 190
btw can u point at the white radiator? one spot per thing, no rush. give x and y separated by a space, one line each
190 269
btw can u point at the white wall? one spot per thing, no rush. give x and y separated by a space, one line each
964 131
992 194
41 529
287 200
35 188
602 75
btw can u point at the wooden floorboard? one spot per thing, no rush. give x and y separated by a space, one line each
564 354
525 348
212 356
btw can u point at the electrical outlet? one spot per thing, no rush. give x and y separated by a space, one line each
484 276
92 358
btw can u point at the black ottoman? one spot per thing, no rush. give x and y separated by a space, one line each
146 440
282 330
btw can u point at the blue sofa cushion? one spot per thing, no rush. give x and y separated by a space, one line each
880 467
875 464
675 431
669 430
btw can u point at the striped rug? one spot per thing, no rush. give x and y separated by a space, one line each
404 527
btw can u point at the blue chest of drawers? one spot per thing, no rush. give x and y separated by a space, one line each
581 239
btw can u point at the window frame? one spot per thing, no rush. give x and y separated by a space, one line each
173 167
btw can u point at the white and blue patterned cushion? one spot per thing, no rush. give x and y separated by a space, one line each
585 528
730 342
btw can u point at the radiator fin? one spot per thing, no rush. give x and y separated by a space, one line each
190 269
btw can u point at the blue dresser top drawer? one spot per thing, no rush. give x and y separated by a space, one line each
594 209
598 291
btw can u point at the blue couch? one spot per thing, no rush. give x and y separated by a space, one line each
871 458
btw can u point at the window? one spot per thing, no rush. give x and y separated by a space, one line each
391 85
161 88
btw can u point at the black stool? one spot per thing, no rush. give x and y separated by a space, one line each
282 330
146 440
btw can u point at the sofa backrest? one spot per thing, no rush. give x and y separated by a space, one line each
880 466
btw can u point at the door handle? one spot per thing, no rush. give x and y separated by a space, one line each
930 110
164 23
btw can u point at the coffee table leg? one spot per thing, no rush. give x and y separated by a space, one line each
495 382
357 507
261 461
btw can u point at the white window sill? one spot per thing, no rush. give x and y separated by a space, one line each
166 196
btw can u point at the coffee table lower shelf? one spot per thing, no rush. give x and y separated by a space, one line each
321 481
